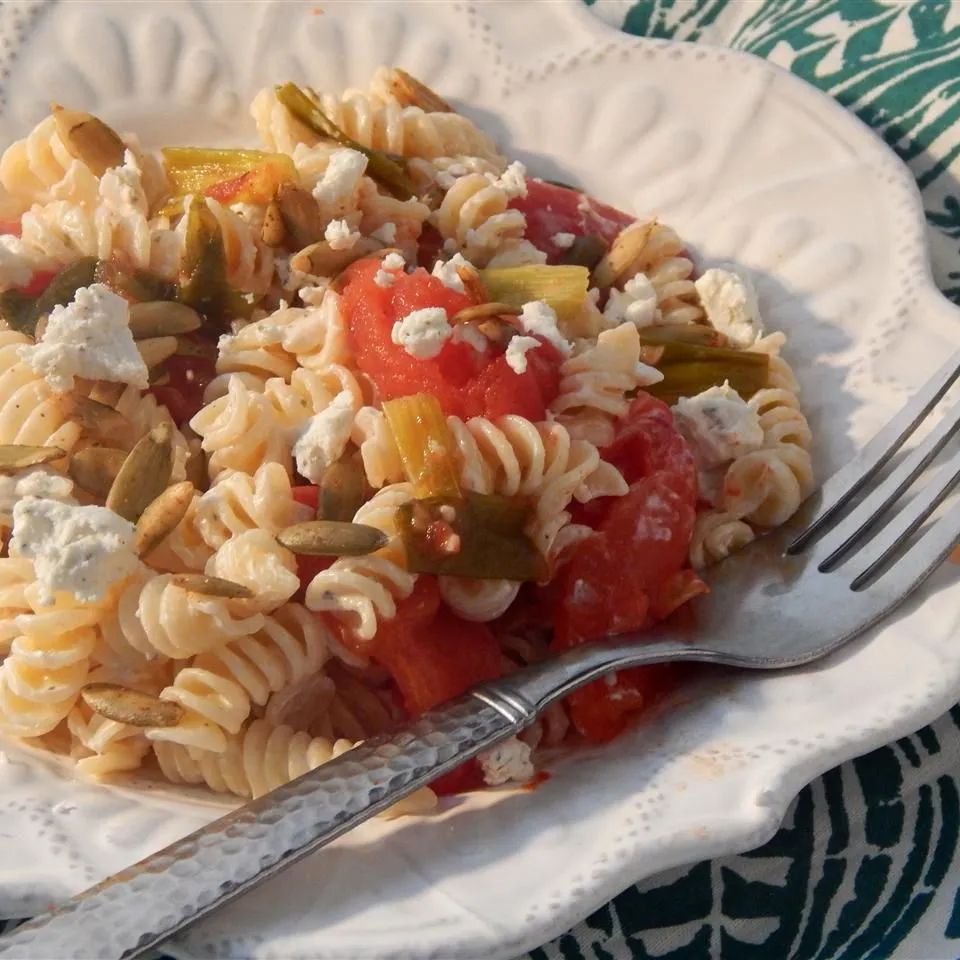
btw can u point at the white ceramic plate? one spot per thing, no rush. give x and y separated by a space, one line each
749 164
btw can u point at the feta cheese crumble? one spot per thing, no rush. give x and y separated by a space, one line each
446 272
78 550
391 264
340 180
513 180
719 425
423 333
89 338
16 264
517 350
339 235
37 482
539 319
564 241
467 333
507 762
386 233
636 303
121 189
324 437
730 302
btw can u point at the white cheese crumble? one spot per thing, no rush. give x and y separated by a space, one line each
78 550
121 188
517 350
339 235
507 762
16 266
324 437
423 333
719 425
513 180
636 303
88 338
386 233
730 302
389 266
518 253
341 178
37 482
564 241
446 272
539 319
312 295
467 333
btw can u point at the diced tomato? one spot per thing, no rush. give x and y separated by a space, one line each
468 776
550 210
38 283
10 228
428 246
634 571
308 494
189 375
466 383
431 653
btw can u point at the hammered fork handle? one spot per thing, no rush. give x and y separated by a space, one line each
146 903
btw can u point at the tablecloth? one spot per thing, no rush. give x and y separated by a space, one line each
866 863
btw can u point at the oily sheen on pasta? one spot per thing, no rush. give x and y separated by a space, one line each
300 440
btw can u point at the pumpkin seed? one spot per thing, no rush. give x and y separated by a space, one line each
624 252
342 489
196 466
124 705
410 92
332 538
299 215
157 349
212 586
96 417
89 139
497 331
144 475
161 517
95 469
473 284
273 233
15 456
162 318
483 310
321 260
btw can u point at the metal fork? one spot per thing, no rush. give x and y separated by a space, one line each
836 557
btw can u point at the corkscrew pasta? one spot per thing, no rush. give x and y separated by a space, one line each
298 443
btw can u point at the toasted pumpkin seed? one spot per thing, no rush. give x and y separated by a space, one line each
162 318
161 517
95 469
212 586
273 233
483 310
623 254
342 489
473 285
497 331
15 456
321 260
144 475
89 139
410 92
157 349
96 417
196 466
133 707
332 538
300 215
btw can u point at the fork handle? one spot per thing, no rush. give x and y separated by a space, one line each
144 904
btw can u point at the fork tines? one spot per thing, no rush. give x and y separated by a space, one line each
844 534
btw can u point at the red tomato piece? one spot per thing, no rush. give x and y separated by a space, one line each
550 210
189 376
468 776
308 494
38 283
634 571
10 227
467 383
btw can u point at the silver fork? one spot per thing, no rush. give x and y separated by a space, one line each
827 557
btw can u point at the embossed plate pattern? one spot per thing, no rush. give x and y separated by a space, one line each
747 163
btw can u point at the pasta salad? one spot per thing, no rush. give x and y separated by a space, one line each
302 440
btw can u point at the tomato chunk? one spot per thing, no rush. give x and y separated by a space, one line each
551 209
10 228
466 382
634 571
38 283
189 375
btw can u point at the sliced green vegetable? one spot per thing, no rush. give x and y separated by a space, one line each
232 176
19 311
689 369
381 166
562 287
203 270
425 444
135 284
64 286
342 491
695 333
477 535
584 252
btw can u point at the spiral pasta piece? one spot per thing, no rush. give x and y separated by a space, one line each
362 591
30 167
101 746
16 575
30 411
475 215
780 418
766 487
47 665
717 534
220 687
257 560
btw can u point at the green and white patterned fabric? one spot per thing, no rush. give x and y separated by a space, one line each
866 863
